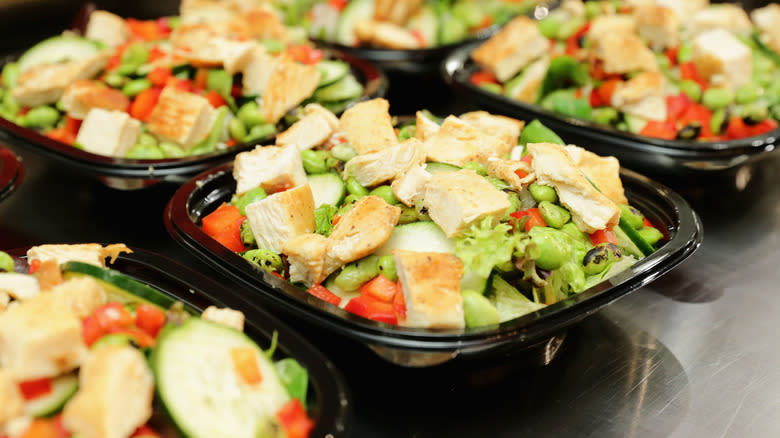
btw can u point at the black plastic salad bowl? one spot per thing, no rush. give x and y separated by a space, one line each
656 156
11 172
422 347
328 398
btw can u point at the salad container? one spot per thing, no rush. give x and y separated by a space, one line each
328 399
11 172
424 347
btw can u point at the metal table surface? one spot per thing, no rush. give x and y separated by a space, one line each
692 354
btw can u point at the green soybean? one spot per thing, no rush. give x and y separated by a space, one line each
249 197
605 115
247 236
133 57
385 192
260 132
549 27
541 192
650 235
145 152
500 184
552 253
386 266
717 98
265 259
115 80
408 215
171 150
6 262
685 53
492 88
592 9
407 132
135 87
146 139
569 27
112 340
691 88
249 113
354 187
313 162
634 217
555 216
343 152
41 117
237 129
220 81
747 93
476 167
10 74
355 274
754 111
349 202
600 258
571 229
478 311
718 120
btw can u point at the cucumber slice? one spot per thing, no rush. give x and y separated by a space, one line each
345 88
639 244
435 167
474 282
203 394
355 10
424 236
331 71
327 188
58 49
426 22
62 389
119 286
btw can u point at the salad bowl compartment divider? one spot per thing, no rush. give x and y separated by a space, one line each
420 347
11 172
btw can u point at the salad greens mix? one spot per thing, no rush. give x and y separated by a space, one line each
437 223
220 74
78 336
669 70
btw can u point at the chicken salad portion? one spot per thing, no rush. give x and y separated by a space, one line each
220 74
464 221
88 352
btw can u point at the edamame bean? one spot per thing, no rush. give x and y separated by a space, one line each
408 215
133 57
313 162
146 139
754 112
571 229
115 80
171 150
685 53
249 197
7 262
249 113
476 167
10 74
220 81
719 120
386 266
343 152
747 93
355 274
592 9
385 192
237 129
354 187
265 259
492 88
549 27
112 340
245 232
605 115
634 217
691 88
542 192
349 202
260 132
552 253
651 235
145 152
332 163
41 117
762 64
717 98
514 204
569 27
272 45
135 87
600 257
554 215
407 132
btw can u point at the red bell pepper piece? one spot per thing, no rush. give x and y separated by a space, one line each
521 173
676 106
201 79
90 330
323 293
688 71
294 420
215 99
656 129
140 337
338 4
224 226
41 428
671 54
534 218
149 318
698 113
113 315
483 77
305 53
601 236
146 30
371 308
607 89
380 287
159 76
527 158
32 389
399 302
145 431
143 104
419 37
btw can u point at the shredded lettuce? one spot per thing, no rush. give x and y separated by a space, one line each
485 246
510 302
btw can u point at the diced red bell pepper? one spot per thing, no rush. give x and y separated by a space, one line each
245 364
305 53
676 106
399 302
534 218
419 37
594 99
62 135
215 99
521 173
90 330
61 431
607 89
140 337
573 42
688 71
294 420
671 54
380 287
32 389
737 128
145 431
146 30
224 226
527 158
338 4
371 308
41 428
112 316
159 76
700 114
601 236
483 77
149 318
201 79
34 266
324 294
665 130
142 106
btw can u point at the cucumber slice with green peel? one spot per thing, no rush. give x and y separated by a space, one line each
204 395
331 71
436 167
58 49
327 188
424 236
118 286
62 389
644 248
475 282
356 10
345 88
426 22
